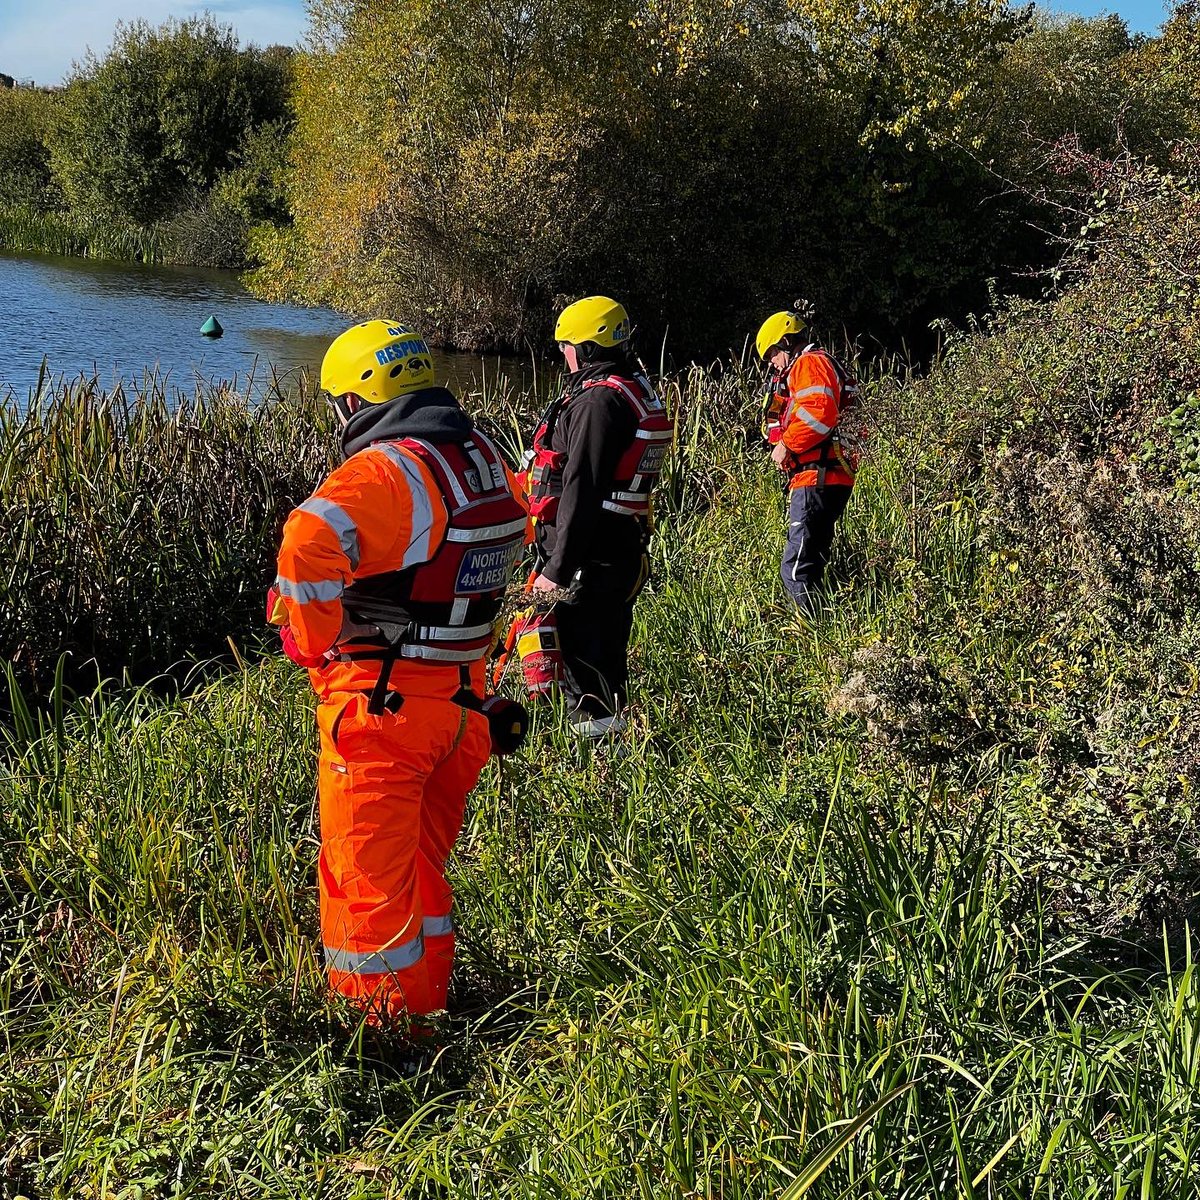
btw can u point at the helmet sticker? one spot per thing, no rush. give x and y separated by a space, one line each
400 350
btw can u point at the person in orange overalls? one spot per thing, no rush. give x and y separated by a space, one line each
810 390
390 579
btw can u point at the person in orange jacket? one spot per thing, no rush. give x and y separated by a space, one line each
390 580
810 390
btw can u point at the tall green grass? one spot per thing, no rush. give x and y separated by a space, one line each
28 231
143 520
737 959
776 950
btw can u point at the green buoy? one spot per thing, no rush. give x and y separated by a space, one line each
212 328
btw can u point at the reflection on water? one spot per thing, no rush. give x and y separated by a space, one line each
119 321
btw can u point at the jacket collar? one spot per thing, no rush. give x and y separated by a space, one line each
623 367
431 413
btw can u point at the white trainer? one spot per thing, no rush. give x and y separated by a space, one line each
599 727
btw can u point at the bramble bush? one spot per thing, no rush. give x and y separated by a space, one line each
1055 438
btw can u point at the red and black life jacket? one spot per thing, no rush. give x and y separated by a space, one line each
444 610
636 471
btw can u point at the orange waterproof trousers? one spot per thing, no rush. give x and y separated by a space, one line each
393 789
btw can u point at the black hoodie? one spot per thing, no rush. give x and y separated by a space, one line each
432 414
593 430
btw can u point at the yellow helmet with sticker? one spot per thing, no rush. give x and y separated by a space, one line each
594 319
774 329
377 361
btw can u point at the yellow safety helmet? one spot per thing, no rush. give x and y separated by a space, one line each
377 361
593 319
774 329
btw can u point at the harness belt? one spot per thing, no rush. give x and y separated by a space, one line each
508 721
829 455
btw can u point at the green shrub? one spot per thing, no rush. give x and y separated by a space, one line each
1051 449
160 116
25 178
211 234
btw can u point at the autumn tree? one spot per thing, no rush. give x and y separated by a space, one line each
464 165
438 148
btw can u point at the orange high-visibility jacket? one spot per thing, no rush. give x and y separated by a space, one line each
381 510
815 397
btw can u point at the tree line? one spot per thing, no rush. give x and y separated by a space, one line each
465 166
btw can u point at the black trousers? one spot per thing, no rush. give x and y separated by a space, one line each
593 630
812 515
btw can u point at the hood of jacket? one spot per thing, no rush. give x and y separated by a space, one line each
432 413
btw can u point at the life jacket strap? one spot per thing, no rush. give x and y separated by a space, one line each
377 701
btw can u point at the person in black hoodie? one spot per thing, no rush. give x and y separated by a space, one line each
597 453
390 578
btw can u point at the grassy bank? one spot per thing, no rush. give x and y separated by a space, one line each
793 919
25 231
203 236
895 903
682 970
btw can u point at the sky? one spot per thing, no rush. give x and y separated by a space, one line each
39 39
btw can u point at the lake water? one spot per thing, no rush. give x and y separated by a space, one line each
121 320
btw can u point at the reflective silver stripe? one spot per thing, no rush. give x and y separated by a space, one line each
654 435
481 465
339 521
817 389
437 926
458 610
420 543
437 654
811 421
628 495
499 478
621 385
376 962
459 495
306 593
450 633
799 556
645 406
622 509
486 532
